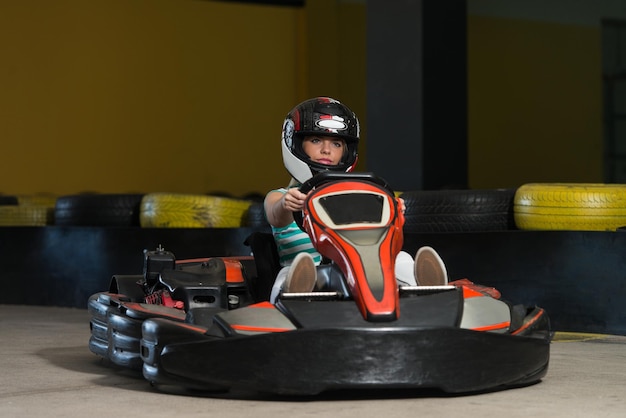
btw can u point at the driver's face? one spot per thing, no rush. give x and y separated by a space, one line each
326 150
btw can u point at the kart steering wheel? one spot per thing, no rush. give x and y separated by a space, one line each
328 176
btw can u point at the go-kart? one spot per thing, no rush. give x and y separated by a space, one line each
206 324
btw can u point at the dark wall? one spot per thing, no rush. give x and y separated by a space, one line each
578 277
63 266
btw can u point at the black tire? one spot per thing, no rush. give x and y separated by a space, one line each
459 210
254 217
98 210
8 200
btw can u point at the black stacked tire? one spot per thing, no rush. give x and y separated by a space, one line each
8 200
459 210
254 217
98 210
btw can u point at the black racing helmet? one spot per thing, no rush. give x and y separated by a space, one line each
321 116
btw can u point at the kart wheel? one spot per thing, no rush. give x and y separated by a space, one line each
570 206
165 210
458 210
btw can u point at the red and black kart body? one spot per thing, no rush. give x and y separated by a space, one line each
200 324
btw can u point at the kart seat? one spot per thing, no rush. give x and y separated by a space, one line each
267 264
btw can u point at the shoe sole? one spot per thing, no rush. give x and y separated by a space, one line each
429 268
302 275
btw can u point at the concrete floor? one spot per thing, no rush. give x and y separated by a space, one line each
46 370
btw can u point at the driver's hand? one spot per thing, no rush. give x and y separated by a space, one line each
293 200
401 205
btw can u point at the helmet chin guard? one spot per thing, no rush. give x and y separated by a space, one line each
298 169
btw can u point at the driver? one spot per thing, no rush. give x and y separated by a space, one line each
323 134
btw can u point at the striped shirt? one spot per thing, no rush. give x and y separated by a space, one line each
291 240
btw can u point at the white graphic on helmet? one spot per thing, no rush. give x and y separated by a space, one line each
331 123
288 128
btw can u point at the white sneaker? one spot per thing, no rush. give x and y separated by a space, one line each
302 275
429 268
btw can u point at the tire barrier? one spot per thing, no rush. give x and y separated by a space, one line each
8 200
98 210
254 217
458 210
570 206
171 210
18 215
532 206
46 200
26 210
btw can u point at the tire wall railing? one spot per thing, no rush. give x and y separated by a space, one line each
532 206
150 210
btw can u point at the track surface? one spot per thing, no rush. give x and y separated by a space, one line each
48 371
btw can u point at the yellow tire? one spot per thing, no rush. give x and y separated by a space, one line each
170 210
37 200
30 215
570 206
